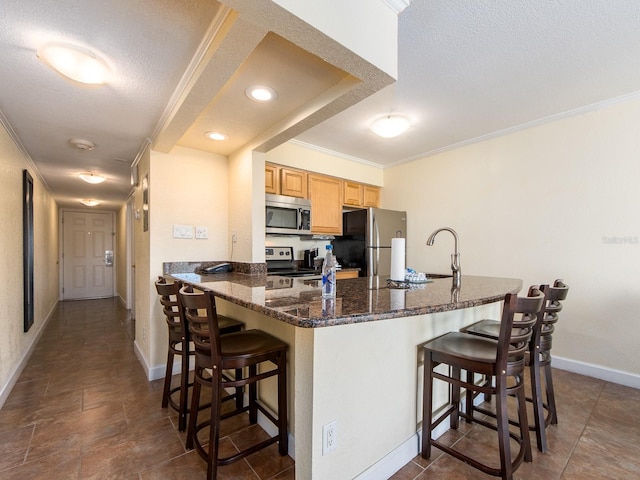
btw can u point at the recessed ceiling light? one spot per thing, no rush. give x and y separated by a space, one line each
90 203
74 62
390 126
82 145
91 178
216 136
261 93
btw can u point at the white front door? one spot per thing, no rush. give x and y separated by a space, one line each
87 255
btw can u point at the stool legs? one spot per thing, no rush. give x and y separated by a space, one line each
551 399
536 399
283 438
184 390
166 390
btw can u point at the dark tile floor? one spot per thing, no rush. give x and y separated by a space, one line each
597 437
83 408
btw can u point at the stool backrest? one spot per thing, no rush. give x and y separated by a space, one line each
519 317
202 319
553 297
171 305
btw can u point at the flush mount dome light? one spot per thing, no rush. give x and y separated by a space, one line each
261 93
216 136
82 145
91 178
390 126
74 62
90 202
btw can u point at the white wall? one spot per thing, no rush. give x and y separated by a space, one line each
375 38
121 263
186 187
559 200
15 345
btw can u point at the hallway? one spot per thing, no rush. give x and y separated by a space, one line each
83 409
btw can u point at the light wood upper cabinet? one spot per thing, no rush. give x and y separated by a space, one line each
293 182
370 196
271 179
325 194
352 193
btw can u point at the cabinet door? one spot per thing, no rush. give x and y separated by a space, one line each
340 274
325 194
293 183
371 196
352 194
271 179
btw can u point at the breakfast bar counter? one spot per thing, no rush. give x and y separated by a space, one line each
355 361
299 302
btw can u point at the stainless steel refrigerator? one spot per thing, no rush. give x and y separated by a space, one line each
366 239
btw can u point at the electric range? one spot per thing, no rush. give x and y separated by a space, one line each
280 262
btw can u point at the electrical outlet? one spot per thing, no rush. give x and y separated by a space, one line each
329 437
202 232
234 237
144 333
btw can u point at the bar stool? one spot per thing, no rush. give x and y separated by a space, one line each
538 358
502 360
179 345
213 355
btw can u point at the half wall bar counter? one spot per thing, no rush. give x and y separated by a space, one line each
355 361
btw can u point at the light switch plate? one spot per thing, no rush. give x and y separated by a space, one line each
202 232
183 231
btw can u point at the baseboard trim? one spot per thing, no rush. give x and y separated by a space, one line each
597 371
142 359
399 457
17 371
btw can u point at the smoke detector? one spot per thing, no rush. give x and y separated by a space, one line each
82 145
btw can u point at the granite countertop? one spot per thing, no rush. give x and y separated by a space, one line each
298 302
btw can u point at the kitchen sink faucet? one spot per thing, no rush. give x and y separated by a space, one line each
455 257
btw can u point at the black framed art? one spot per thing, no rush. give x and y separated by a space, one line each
27 239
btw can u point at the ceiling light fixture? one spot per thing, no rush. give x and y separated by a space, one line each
90 203
390 126
74 62
216 136
91 178
261 93
82 145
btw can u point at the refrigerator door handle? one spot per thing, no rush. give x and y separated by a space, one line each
376 232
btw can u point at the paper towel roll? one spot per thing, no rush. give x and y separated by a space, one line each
397 258
396 298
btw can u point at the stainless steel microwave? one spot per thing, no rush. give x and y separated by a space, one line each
287 215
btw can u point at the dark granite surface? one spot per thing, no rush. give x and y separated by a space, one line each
298 301
238 267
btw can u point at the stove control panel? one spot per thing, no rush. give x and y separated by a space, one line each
278 253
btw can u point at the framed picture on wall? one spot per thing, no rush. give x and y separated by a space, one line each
27 239
145 203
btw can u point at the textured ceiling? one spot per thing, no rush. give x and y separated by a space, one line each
466 70
469 69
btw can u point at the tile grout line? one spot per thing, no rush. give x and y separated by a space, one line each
575 445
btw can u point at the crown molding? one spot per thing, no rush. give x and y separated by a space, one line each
397 5
4 121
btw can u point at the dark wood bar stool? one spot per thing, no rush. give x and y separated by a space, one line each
538 358
213 355
179 345
501 360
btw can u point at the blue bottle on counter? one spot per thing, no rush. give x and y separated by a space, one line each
329 274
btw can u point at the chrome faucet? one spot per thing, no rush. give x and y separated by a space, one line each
455 257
